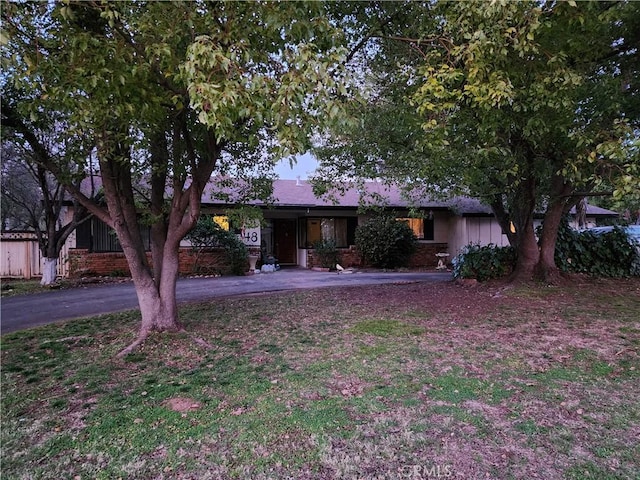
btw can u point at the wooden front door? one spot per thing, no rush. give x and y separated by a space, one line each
284 232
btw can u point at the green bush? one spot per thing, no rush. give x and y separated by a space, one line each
610 254
484 263
327 253
208 234
385 242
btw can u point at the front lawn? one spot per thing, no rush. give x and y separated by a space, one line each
386 382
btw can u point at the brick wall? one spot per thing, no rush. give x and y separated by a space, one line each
83 263
425 256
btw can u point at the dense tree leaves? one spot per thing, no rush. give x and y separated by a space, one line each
526 105
174 92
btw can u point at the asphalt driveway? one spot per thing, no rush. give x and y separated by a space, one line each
27 311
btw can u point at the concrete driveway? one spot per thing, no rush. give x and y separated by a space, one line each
27 311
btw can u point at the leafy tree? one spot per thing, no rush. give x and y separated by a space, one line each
527 105
35 198
174 92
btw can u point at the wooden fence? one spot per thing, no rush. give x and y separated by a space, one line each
20 256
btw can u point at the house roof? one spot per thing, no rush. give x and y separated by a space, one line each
593 211
299 193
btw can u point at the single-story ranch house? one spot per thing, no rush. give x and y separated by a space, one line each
297 218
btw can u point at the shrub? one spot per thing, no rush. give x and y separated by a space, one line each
609 254
208 234
327 253
484 263
385 242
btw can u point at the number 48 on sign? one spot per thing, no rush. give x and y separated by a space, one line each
250 237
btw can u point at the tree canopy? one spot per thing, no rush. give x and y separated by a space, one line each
173 92
526 105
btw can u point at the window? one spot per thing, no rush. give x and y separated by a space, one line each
340 230
222 220
97 236
422 227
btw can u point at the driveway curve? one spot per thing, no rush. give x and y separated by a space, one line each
28 311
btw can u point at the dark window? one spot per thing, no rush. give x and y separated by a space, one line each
428 229
352 224
97 236
83 235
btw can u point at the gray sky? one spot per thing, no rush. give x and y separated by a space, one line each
304 166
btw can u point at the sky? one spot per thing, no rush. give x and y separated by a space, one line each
304 166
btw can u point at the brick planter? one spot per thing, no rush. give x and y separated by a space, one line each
424 257
83 263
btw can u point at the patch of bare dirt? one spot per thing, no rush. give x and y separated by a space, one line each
182 404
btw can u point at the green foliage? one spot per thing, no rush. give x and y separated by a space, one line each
484 262
327 253
609 254
247 216
207 234
385 242
512 102
118 272
175 94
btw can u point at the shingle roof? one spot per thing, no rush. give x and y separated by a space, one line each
299 193
293 193
594 211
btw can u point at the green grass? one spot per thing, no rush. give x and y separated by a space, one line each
386 328
345 383
11 287
16 286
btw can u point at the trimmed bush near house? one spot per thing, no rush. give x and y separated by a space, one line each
207 234
326 253
484 262
385 242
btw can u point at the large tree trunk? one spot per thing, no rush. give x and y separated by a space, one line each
156 296
157 301
49 271
527 254
546 269
560 203
158 307
155 288
517 223
522 238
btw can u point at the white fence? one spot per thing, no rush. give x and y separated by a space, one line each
20 256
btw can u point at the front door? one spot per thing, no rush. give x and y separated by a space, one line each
284 232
